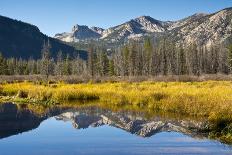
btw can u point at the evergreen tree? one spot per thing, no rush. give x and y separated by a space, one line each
105 64
59 64
147 56
125 56
164 57
111 68
3 65
181 61
132 60
230 57
67 66
91 54
45 60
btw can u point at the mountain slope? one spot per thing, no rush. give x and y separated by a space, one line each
22 40
200 28
135 28
205 29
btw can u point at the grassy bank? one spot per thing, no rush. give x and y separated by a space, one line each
211 99
85 78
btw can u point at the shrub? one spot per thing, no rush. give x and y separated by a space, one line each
158 96
1 91
22 94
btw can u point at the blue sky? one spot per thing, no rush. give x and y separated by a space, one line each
54 16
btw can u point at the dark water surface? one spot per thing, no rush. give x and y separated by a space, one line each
97 131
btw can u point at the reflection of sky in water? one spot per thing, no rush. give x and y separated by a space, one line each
58 137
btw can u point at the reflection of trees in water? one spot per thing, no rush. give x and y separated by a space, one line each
15 119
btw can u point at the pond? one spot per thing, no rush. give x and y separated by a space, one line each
92 130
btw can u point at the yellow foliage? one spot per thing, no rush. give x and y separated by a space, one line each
193 98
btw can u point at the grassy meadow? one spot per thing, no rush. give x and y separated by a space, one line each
210 99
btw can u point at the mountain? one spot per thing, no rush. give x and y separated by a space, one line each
135 29
131 29
200 27
23 40
80 32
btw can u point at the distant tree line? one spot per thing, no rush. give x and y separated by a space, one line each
133 59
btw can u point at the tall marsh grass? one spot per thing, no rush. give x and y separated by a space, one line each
211 98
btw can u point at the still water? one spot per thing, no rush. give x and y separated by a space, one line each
97 131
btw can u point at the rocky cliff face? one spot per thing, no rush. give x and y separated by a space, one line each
200 28
80 32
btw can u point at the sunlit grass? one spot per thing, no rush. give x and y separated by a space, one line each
194 98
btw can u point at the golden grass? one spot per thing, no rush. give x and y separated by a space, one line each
212 98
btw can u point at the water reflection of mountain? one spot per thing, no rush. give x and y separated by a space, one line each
16 119
134 123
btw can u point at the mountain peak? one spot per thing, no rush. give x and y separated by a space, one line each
228 9
145 17
79 27
201 14
97 29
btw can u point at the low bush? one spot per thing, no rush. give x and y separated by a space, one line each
22 94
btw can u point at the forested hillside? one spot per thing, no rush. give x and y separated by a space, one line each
133 59
22 40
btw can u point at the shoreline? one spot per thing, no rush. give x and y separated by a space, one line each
74 79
